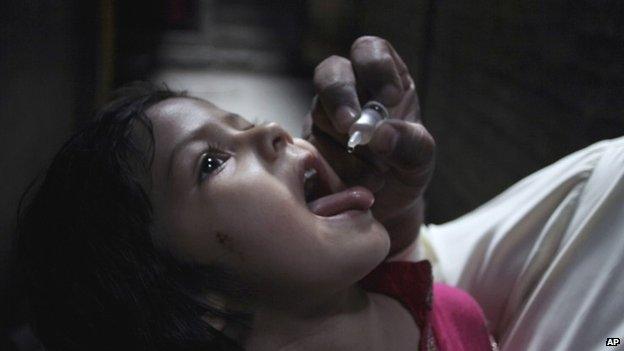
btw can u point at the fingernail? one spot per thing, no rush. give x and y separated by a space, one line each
345 116
387 138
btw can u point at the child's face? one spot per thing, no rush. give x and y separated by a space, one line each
228 193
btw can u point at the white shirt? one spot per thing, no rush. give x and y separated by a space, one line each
545 259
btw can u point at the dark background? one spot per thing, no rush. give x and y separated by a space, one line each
506 87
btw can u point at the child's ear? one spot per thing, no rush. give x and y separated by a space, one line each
219 302
224 303
215 322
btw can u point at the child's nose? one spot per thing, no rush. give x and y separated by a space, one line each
271 139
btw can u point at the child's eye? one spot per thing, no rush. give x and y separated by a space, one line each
211 162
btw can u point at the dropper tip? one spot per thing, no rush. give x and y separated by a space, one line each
354 140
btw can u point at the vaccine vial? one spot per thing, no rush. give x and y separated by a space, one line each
361 131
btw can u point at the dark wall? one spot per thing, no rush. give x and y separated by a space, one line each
139 26
506 87
515 85
47 65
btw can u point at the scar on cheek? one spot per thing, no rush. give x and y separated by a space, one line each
227 243
224 240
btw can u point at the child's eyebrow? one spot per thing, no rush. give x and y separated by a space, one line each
236 121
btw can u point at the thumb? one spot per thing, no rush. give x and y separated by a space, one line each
408 148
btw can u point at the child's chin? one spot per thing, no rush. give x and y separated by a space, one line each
372 252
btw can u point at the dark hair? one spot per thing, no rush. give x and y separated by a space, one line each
92 275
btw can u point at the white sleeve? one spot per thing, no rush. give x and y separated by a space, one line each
544 259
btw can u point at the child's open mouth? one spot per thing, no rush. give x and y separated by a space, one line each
324 193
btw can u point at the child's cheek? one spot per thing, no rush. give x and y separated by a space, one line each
227 244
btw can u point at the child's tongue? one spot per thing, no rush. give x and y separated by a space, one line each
356 198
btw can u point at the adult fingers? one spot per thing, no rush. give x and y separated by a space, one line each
402 70
408 148
317 124
322 122
335 85
379 69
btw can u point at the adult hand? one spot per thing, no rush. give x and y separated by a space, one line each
398 162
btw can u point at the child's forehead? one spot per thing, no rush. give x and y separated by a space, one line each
194 113
185 106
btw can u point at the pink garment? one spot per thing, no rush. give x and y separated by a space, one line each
449 319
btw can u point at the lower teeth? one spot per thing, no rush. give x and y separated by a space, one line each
309 184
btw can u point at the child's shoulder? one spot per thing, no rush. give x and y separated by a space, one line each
456 304
457 320
450 315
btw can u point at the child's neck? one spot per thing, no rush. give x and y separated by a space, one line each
355 320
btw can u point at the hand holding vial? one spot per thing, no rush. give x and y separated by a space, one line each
395 155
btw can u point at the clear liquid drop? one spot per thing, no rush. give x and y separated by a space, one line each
354 140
